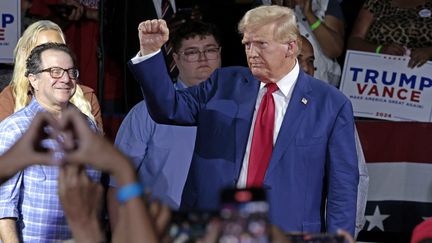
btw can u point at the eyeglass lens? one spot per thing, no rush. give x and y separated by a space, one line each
58 72
192 55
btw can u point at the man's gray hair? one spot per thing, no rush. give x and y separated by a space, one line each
286 29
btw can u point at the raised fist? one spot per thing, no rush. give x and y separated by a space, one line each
152 35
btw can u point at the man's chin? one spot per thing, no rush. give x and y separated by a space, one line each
65 92
203 75
258 75
63 98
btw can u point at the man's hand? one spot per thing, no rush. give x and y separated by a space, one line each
152 35
161 216
83 146
81 200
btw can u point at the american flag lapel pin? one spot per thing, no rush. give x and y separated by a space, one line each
304 101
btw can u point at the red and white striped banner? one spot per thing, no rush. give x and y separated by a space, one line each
399 160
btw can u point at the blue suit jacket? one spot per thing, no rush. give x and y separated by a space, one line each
312 177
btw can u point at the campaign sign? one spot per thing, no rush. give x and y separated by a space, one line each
10 22
383 87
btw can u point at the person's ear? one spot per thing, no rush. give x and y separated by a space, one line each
34 81
291 48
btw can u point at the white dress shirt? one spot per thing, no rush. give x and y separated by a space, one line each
281 98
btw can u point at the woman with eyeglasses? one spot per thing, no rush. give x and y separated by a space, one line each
17 94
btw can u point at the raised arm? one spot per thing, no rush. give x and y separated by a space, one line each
165 104
330 33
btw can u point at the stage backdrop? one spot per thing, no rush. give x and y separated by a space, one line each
399 160
383 87
10 22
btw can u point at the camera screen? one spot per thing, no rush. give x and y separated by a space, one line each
189 226
244 215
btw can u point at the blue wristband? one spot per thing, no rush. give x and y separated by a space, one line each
129 191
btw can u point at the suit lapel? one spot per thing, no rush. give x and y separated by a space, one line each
293 117
248 90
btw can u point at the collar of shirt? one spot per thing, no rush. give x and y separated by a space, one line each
34 107
179 84
281 98
286 84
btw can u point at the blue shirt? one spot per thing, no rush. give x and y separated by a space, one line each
161 153
31 195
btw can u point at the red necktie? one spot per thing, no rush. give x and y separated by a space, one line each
262 139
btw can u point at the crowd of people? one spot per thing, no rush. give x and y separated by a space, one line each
279 124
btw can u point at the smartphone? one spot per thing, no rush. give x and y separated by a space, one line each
315 238
244 216
189 226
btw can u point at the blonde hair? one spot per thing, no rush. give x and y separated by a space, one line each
20 85
286 29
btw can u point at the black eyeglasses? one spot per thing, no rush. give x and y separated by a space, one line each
193 54
58 72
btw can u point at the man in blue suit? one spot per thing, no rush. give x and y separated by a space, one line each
312 173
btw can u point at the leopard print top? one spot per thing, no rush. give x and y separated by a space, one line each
402 26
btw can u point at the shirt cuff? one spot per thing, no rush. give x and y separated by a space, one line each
8 210
138 58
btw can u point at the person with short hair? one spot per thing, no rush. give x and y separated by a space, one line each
322 23
269 126
80 197
162 153
29 206
17 94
